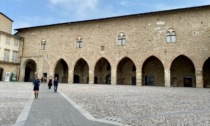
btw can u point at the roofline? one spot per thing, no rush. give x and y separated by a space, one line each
6 16
99 19
11 35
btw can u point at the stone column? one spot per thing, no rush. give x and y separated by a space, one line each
71 77
113 77
51 73
199 79
22 73
138 78
91 77
167 74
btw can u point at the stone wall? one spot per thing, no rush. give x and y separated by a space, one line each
145 37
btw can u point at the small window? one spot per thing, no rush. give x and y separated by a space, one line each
171 36
16 42
43 45
15 56
102 48
79 42
121 39
8 40
6 55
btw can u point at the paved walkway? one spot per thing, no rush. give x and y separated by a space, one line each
52 109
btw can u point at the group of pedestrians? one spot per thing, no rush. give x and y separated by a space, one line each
36 84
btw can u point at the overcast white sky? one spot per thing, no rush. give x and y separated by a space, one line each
26 13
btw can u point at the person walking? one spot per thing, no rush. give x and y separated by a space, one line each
36 83
50 83
55 84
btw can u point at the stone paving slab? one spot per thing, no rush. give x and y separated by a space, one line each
51 109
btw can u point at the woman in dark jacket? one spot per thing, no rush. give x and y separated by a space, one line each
50 83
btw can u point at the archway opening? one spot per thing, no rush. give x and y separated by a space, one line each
61 71
1 74
126 72
30 70
81 72
206 74
102 69
182 72
153 72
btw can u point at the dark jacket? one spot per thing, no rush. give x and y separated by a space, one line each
50 82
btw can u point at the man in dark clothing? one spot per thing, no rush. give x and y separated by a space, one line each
55 84
36 83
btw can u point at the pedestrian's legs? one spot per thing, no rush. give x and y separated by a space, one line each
35 94
55 88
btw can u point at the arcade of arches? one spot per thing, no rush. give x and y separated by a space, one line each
182 72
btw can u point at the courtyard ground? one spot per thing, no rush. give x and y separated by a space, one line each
129 105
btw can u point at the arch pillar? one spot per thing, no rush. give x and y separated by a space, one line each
167 73
22 73
91 77
138 78
51 73
113 76
199 78
71 77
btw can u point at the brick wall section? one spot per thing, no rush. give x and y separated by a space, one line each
145 37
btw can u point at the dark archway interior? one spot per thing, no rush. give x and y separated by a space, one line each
153 72
61 71
81 72
102 70
126 72
182 72
1 74
206 73
30 70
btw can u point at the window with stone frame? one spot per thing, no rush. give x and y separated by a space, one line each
43 45
8 40
16 42
6 54
121 39
79 42
15 56
171 36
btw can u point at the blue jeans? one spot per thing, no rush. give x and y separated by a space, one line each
55 88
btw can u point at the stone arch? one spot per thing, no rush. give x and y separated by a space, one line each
1 74
182 72
101 71
153 72
126 72
61 71
206 73
81 71
30 70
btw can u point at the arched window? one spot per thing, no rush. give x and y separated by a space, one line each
43 45
171 35
79 42
121 39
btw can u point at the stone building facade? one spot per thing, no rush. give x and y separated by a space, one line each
165 48
10 49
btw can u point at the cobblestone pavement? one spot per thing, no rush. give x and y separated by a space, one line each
129 105
13 97
143 106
